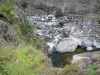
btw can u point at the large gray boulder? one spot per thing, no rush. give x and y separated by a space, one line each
67 45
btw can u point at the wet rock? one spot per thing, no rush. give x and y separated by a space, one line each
52 22
67 45
50 48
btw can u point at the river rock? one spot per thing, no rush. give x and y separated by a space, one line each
78 40
67 45
84 65
81 56
86 55
98 45
87 44
89 48
87 59
83 32
51 21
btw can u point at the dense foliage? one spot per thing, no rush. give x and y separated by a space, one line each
23 59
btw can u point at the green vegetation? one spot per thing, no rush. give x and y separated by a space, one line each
79 50
23 60
70 67
27 57
25 31
92 69
6 9
92 16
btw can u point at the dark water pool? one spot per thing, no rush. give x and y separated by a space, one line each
61 59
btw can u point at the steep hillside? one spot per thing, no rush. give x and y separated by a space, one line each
64 6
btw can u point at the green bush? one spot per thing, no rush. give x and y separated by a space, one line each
92 70
24 60
6 9
20 61
26 29
71 67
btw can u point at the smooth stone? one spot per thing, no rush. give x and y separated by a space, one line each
98 45
87 43
88 55
89 48
67 45
78 40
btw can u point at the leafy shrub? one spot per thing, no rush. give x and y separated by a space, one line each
26 29
71 68
24 60
92 70
6 9
3 65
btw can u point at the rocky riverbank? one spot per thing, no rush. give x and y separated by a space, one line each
66 34
69 30
73 30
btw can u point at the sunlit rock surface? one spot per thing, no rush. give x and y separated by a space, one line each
67 45
86 59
